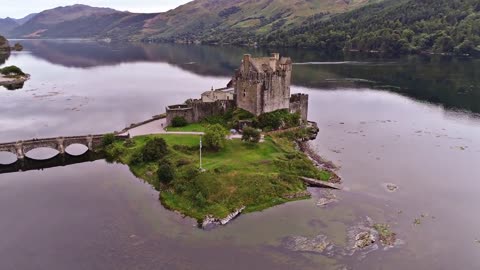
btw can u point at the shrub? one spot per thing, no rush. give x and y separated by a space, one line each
166 172
11 70
182 162
251 135
136 158
108 139
129 143
215 137
277 119
155 149
179 121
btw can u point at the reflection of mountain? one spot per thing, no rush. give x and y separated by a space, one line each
449 81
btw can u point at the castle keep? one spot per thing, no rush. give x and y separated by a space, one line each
260 85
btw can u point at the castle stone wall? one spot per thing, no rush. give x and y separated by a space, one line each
196 110
181 110
276 94
202 110
248 95
299 104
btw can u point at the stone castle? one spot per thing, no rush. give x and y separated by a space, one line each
260 85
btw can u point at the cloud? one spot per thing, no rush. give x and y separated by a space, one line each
21 8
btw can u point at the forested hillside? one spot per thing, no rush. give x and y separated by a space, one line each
392 26
238 21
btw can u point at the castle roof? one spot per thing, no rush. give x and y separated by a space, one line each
265 64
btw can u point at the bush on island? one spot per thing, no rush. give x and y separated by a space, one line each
251 135
11 70
108 139
278 119
166 172
179 121
155 150
215 137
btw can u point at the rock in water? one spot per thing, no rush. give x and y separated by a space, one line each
364 239
317 244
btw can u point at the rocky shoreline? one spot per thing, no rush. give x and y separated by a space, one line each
14 82
320 162
210 222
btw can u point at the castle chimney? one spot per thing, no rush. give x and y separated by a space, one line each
246 62
273 63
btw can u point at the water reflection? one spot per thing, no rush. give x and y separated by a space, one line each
452 82
29 164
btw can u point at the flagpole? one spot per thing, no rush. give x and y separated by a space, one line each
201 169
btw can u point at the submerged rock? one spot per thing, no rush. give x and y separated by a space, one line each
391 187
387 237
364 239
327 198
317 244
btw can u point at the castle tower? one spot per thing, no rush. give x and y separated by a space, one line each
263 84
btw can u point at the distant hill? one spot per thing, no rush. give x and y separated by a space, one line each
196 20
6 25
230 21
392 26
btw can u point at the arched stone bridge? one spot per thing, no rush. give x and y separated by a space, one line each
20 148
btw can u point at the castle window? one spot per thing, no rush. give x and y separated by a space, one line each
244 93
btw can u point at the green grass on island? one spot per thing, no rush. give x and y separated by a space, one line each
256 176
195 127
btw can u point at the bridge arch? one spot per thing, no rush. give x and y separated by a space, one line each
8 157
41 153
76 149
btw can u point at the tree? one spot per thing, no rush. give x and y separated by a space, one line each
165 172
215 137
108 139
155 149
179 121
251 135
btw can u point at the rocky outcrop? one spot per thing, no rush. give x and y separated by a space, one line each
4 45
210 221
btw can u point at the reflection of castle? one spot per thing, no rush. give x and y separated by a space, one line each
260 85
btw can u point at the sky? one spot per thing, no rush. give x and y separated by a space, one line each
20 8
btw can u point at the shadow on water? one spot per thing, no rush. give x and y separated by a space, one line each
60 160
449 81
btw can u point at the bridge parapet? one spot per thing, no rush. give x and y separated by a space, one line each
20 148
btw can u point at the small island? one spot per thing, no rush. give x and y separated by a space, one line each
11 77
226 153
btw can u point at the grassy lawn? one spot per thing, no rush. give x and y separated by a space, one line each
196 127
256 176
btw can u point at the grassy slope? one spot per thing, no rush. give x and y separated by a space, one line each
256 176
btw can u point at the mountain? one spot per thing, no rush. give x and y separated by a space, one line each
225 21
196 20
392 26
77 21
6 25
25 19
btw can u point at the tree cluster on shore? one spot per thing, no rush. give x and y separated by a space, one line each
392 26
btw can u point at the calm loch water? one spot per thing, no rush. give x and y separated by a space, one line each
410 121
